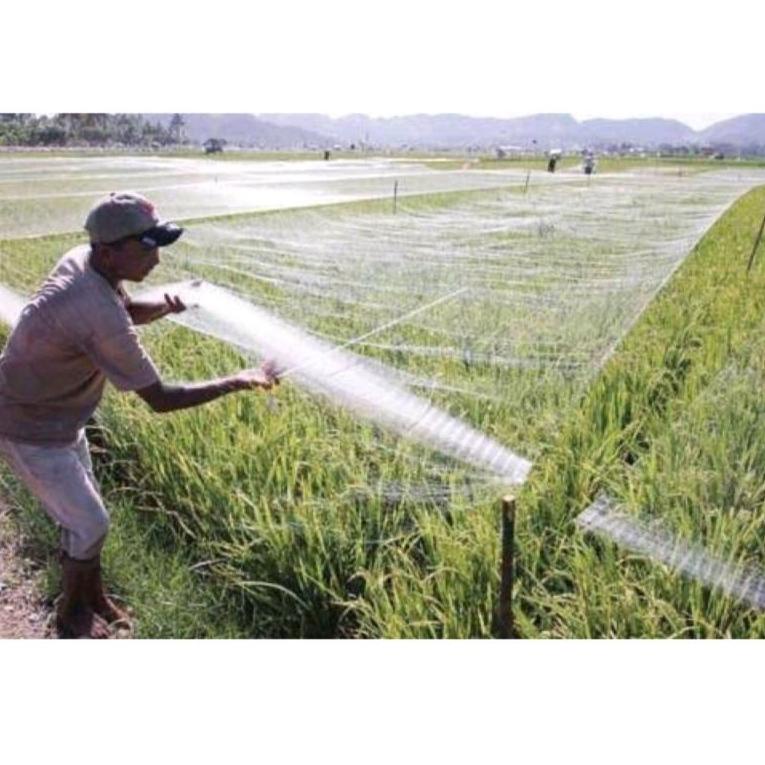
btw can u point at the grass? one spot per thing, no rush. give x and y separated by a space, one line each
604 164
285 512
673 428
171 597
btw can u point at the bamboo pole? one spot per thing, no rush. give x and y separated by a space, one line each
756 245
505 607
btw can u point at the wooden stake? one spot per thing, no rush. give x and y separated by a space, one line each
505 607
395 195
528 178
756 245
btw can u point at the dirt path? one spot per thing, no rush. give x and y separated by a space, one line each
22 612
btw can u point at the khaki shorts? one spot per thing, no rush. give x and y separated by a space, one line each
61 477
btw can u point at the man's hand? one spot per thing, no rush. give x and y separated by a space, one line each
169 398
174 304
143 312
265 377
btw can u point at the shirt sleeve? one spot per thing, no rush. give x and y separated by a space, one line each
124 295
123 360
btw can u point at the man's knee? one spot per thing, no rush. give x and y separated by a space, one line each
86 542
94 549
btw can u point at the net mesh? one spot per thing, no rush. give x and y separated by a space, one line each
541 284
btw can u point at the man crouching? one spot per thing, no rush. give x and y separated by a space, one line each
77 332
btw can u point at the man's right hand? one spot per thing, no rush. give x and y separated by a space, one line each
169 398
265 377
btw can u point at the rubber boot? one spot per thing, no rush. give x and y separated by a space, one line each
103 605
75 616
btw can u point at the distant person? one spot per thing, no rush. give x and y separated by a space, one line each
551 163
77 332
589 164
326 154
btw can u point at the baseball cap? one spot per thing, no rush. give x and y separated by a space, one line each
126 213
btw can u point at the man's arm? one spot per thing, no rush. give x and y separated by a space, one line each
145 311
169 398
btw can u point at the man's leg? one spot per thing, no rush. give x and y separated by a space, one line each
58 478
75 615
102 604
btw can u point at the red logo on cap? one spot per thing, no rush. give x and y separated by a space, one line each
147 207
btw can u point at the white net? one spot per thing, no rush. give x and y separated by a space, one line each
10 306
48 196
553 278
347 380
541 285
652 540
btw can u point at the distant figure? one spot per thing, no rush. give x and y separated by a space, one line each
589 164
326 154
551 163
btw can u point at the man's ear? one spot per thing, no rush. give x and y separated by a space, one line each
106 254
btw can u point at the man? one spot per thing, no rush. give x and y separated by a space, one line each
77 332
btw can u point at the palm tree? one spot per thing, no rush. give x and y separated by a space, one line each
176 128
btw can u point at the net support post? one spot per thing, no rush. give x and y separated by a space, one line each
756 245
505 624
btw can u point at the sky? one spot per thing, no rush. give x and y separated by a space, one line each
696 63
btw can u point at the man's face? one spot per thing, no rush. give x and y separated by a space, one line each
131 260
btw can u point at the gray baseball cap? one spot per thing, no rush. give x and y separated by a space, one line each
126 213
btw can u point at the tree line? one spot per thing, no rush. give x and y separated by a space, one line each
88 129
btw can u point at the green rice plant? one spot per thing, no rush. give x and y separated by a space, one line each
302 521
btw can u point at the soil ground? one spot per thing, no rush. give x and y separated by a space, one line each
23 613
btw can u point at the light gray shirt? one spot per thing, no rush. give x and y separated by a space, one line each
73 335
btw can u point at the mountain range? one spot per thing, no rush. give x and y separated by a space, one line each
543 131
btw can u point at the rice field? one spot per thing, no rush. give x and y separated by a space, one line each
529 315
48 195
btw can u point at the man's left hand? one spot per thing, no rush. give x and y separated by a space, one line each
174 304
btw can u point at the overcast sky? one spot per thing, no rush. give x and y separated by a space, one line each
694 62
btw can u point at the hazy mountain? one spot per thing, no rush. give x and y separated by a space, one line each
454 130
746 130
316 123
542 131
640 131
244 130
